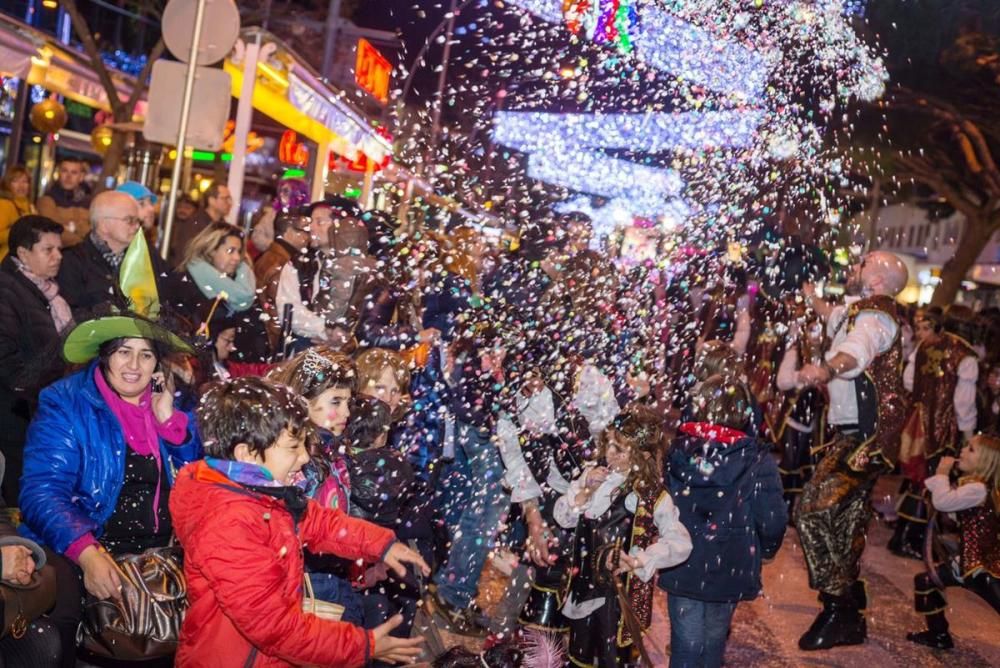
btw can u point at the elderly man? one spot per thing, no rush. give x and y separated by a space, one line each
146 200
88 277
67 199
862 371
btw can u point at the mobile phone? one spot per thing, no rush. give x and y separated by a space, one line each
157 385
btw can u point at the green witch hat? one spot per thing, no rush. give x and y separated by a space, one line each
138 287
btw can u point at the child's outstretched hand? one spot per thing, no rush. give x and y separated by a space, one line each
399 555
395 650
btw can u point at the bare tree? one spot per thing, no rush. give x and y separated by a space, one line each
121 110
959 165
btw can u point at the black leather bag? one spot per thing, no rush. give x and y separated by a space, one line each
22 604
146 622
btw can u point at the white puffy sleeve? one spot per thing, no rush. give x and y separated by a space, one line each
671 548
948 499
519 478
565 512
910 371
965 395
304 322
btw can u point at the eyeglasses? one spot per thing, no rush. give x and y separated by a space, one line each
131 220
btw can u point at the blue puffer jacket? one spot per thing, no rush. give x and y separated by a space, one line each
729 496
74 462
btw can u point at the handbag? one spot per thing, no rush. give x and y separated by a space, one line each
146 622
22 604
332 612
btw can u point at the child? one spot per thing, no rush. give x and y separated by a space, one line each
326 380
385 491
243 526
976 499
728 492
626 524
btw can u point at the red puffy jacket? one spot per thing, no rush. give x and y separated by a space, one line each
243 562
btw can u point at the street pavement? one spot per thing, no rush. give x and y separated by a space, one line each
765 632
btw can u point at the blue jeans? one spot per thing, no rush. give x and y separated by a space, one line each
458 581
698 631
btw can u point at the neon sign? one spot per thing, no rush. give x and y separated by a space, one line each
372 71
291 151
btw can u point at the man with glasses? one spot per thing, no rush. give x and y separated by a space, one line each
89 271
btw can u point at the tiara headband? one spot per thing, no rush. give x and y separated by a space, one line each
317 366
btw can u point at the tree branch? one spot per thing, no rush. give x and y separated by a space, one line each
90 47
920 170
141 81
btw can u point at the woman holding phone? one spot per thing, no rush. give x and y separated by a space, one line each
102 448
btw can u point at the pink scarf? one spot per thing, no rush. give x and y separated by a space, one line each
141 429
62 317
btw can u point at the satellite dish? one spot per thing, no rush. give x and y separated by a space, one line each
219 29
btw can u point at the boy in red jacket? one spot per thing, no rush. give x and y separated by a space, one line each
244 525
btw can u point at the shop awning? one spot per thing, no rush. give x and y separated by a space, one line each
28 53
290 92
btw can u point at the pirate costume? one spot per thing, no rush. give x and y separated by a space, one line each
868 406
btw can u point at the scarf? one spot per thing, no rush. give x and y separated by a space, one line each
113 259
258 479
59 309
240 291
141 429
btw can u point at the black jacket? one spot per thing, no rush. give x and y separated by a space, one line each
87 281
30 359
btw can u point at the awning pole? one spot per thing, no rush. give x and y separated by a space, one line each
244 116
175 178
320 171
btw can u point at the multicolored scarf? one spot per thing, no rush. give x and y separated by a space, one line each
62 316
258 479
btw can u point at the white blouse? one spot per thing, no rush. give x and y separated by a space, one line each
672 546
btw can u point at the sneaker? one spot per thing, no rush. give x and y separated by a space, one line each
464 622
935 639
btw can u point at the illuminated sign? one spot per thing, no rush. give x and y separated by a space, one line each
291 151
372 71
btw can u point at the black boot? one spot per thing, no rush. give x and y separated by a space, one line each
840 623
935 639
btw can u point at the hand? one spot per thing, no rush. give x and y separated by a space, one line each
539 538
337 337
18 564
395 650
399 555
945 466
639 384
101 576
431 335
374 575
626 563
595 478
809 290
811 374
163 402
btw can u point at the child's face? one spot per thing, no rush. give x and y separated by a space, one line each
385 388
331 409
618 454
993 380
283 459
968 460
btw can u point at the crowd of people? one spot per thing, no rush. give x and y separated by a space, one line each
334 409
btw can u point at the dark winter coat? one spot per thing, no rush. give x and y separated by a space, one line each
243 558
87 281
384 319
74 462
730 499
30 359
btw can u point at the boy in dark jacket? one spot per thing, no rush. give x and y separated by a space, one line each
728 491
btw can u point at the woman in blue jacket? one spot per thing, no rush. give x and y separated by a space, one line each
727 488
102 450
